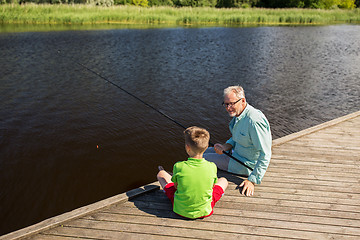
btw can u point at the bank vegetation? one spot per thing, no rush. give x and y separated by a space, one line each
81 14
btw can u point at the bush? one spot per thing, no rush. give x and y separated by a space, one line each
122 2
184 3
237 3
106 3
206 3
161 3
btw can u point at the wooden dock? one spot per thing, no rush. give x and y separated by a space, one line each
310 191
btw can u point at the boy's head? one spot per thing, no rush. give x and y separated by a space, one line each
197 139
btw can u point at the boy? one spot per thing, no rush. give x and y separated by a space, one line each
194 188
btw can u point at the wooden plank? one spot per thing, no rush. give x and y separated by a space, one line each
293 150
295 203
329 133
306 192
295 175
207 224
279 141
269 180
345 139
321 167
291 196
340 130
312 175
235 197
318 167
314 157
80 233
198 228
244 214
97 229
325 143
312 164
293 153
322 146
41 236
300 198
263 208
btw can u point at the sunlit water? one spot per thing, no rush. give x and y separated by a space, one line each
69 138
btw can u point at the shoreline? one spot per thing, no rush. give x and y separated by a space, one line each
82 16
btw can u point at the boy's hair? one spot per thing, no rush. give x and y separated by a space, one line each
197 138
238 90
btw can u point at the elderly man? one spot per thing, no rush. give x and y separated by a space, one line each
250 142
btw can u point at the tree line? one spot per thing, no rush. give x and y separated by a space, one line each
315 4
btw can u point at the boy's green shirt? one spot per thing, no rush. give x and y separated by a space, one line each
195 179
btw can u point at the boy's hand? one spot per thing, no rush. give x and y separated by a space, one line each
248 187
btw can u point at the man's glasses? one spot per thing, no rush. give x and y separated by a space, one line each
230 104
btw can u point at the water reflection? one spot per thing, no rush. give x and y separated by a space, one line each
54 114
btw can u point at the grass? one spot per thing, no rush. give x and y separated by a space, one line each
87 14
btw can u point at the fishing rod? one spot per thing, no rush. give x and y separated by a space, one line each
147 104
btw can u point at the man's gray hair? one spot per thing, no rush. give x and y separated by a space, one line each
238 90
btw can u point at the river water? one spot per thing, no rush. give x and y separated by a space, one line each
69 138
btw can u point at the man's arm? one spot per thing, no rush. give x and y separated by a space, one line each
261 138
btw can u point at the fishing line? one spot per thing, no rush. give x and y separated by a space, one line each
147 104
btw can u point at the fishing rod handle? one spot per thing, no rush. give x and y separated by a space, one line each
231 156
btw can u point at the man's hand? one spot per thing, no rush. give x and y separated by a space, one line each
219 148
248 187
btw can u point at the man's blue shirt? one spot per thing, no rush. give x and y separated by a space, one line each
251 141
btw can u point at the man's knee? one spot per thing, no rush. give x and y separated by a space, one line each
209 150
220 161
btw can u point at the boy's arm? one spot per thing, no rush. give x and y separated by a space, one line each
215 176
174 176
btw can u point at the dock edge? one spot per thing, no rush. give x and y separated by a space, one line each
307 131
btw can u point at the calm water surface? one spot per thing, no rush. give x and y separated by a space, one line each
68 138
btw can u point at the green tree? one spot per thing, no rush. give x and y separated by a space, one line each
347 4
330 4
141 3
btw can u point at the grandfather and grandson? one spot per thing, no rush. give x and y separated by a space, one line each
194 187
